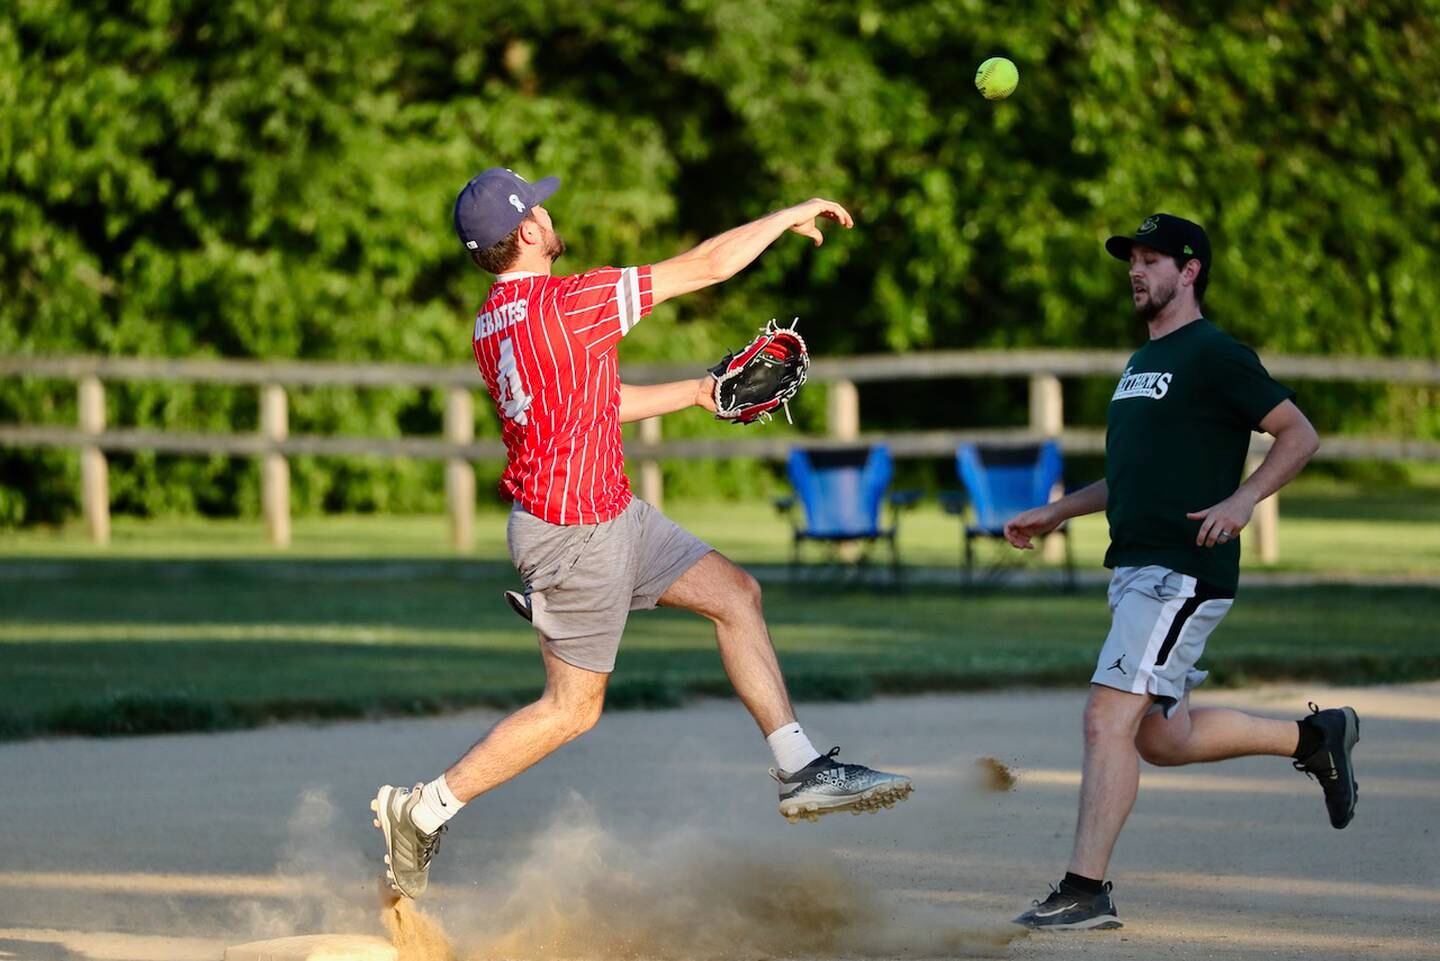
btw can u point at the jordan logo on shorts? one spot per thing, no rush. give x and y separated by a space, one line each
1117 666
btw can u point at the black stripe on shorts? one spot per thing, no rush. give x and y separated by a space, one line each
1203 592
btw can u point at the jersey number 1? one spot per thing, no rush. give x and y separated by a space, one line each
513 399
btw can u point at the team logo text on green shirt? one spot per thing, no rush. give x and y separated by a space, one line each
1152 385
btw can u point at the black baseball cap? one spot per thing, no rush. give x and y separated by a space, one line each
494 202
1168 234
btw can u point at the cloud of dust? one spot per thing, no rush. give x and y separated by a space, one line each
415 934
583 893
334 883
994 775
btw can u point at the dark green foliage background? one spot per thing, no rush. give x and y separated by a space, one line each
273 180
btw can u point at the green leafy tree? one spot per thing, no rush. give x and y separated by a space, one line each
273 180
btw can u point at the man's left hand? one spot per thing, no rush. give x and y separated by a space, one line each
705 393
1223 522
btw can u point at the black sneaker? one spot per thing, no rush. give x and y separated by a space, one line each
1330 763
1068 910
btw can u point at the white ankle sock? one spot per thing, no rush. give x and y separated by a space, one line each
792 749
437 805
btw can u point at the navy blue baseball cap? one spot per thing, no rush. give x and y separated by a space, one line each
1168 234
494 202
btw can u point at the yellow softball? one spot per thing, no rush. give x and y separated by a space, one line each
997 78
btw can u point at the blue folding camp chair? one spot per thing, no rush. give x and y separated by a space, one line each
1000 482
841 493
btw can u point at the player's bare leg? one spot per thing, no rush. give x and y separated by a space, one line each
569 706
1118 732
1109 781
1110 778
813 784
718 589
1320 745
1200 735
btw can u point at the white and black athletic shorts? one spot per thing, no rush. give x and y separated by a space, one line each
1160 621
583 580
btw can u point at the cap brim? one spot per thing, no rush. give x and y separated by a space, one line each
1120 247
541 189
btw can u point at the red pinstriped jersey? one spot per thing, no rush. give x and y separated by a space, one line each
546 347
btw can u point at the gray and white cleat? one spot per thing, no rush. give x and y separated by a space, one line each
407 851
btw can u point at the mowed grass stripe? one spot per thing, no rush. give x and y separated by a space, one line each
105 647
79 632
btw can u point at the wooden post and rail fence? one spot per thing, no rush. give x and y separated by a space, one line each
273 444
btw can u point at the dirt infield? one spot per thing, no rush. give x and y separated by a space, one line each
656 836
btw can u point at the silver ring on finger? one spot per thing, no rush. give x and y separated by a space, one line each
1224 535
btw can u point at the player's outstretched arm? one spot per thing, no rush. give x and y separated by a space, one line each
654 400
723 256
1042 520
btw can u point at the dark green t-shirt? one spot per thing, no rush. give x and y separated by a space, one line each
1176 437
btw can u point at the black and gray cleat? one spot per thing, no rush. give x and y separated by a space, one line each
1069 910
825 786
1330 763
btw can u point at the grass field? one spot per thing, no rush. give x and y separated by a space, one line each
1324 527
196 625
101 646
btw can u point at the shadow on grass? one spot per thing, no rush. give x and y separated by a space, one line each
426 594
422 637
1407 506
438 593
308 682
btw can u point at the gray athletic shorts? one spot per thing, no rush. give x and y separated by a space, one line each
583 580
1160 621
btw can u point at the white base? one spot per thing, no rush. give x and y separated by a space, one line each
315 947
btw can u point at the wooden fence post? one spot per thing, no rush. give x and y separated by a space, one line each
1047 418
459 473
652 482
94 474
1266 521
274 468
1047 406
842 410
